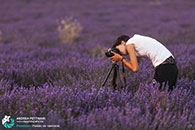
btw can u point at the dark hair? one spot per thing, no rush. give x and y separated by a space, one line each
124 38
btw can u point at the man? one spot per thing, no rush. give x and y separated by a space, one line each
143 46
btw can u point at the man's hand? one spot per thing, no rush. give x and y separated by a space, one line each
116 57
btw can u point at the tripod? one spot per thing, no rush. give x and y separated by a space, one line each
116 72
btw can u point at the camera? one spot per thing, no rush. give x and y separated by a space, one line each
110 54
115 68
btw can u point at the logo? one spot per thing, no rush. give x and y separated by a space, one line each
8 123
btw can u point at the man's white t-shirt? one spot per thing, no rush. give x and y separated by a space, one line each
149 47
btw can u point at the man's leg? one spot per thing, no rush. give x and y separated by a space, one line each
173 79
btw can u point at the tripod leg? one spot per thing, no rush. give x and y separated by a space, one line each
108 74
122 86
114 78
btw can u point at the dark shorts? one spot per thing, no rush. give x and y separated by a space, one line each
166 74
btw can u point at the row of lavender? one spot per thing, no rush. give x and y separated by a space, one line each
74 108
33 65
35 22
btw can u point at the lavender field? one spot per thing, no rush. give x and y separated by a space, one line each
42 76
